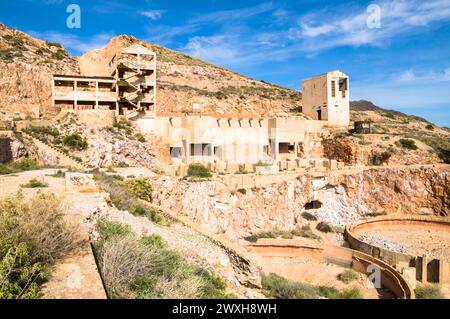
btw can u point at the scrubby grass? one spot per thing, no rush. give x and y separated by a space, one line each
125 125
34 183
429 292
125 195
408 144
374 214
278 287
23 164
145 268
33 234
198 170
140 188
75 141
304 231
348 276
140 137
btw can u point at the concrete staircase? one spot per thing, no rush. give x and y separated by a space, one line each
61 158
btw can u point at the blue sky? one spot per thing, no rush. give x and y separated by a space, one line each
404 64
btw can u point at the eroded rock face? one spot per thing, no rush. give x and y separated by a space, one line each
344 199
403 190
213 205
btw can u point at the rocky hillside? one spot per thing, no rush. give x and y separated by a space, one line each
183 80
389 128
26 66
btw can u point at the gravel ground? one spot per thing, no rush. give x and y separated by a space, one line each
416 242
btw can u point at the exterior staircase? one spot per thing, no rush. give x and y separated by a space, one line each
60 157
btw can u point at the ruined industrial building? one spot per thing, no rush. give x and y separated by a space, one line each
235 182
203 138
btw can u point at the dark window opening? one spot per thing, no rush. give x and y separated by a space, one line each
315 204
319 115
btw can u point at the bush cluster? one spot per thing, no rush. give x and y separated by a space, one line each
34 183
408 144
198 170
429 292
304 231
125 195
22 164
281 288
75 141
145 268
33 235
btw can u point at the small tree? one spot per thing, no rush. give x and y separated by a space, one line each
198 170
408 144
75 141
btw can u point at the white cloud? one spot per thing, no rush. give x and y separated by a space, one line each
216 49
411 76
347 26
74 43
230 15
153 14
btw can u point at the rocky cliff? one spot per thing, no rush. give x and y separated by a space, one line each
344 199
26 67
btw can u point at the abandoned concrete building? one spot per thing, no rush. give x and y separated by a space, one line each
326 98
130 91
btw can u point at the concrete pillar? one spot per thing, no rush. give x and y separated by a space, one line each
96 95
53 92
444 268
187 151
275 149
75 103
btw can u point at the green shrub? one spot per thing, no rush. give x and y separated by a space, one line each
125 125
198 170
107 229
140 188
146 268
22 164
429 292
281 288
21 278
53 44
389 115
348 276
33 234
154 240
59 55
351 293
34 183
140 137
38 131
75 141
408 144
429 127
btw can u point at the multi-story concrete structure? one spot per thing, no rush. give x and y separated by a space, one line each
326 98
130 90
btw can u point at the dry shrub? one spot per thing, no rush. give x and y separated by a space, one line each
122 260
40 224
177 287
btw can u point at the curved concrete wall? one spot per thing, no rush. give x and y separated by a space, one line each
432 271
390 278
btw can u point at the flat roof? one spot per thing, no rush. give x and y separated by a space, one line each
83 77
